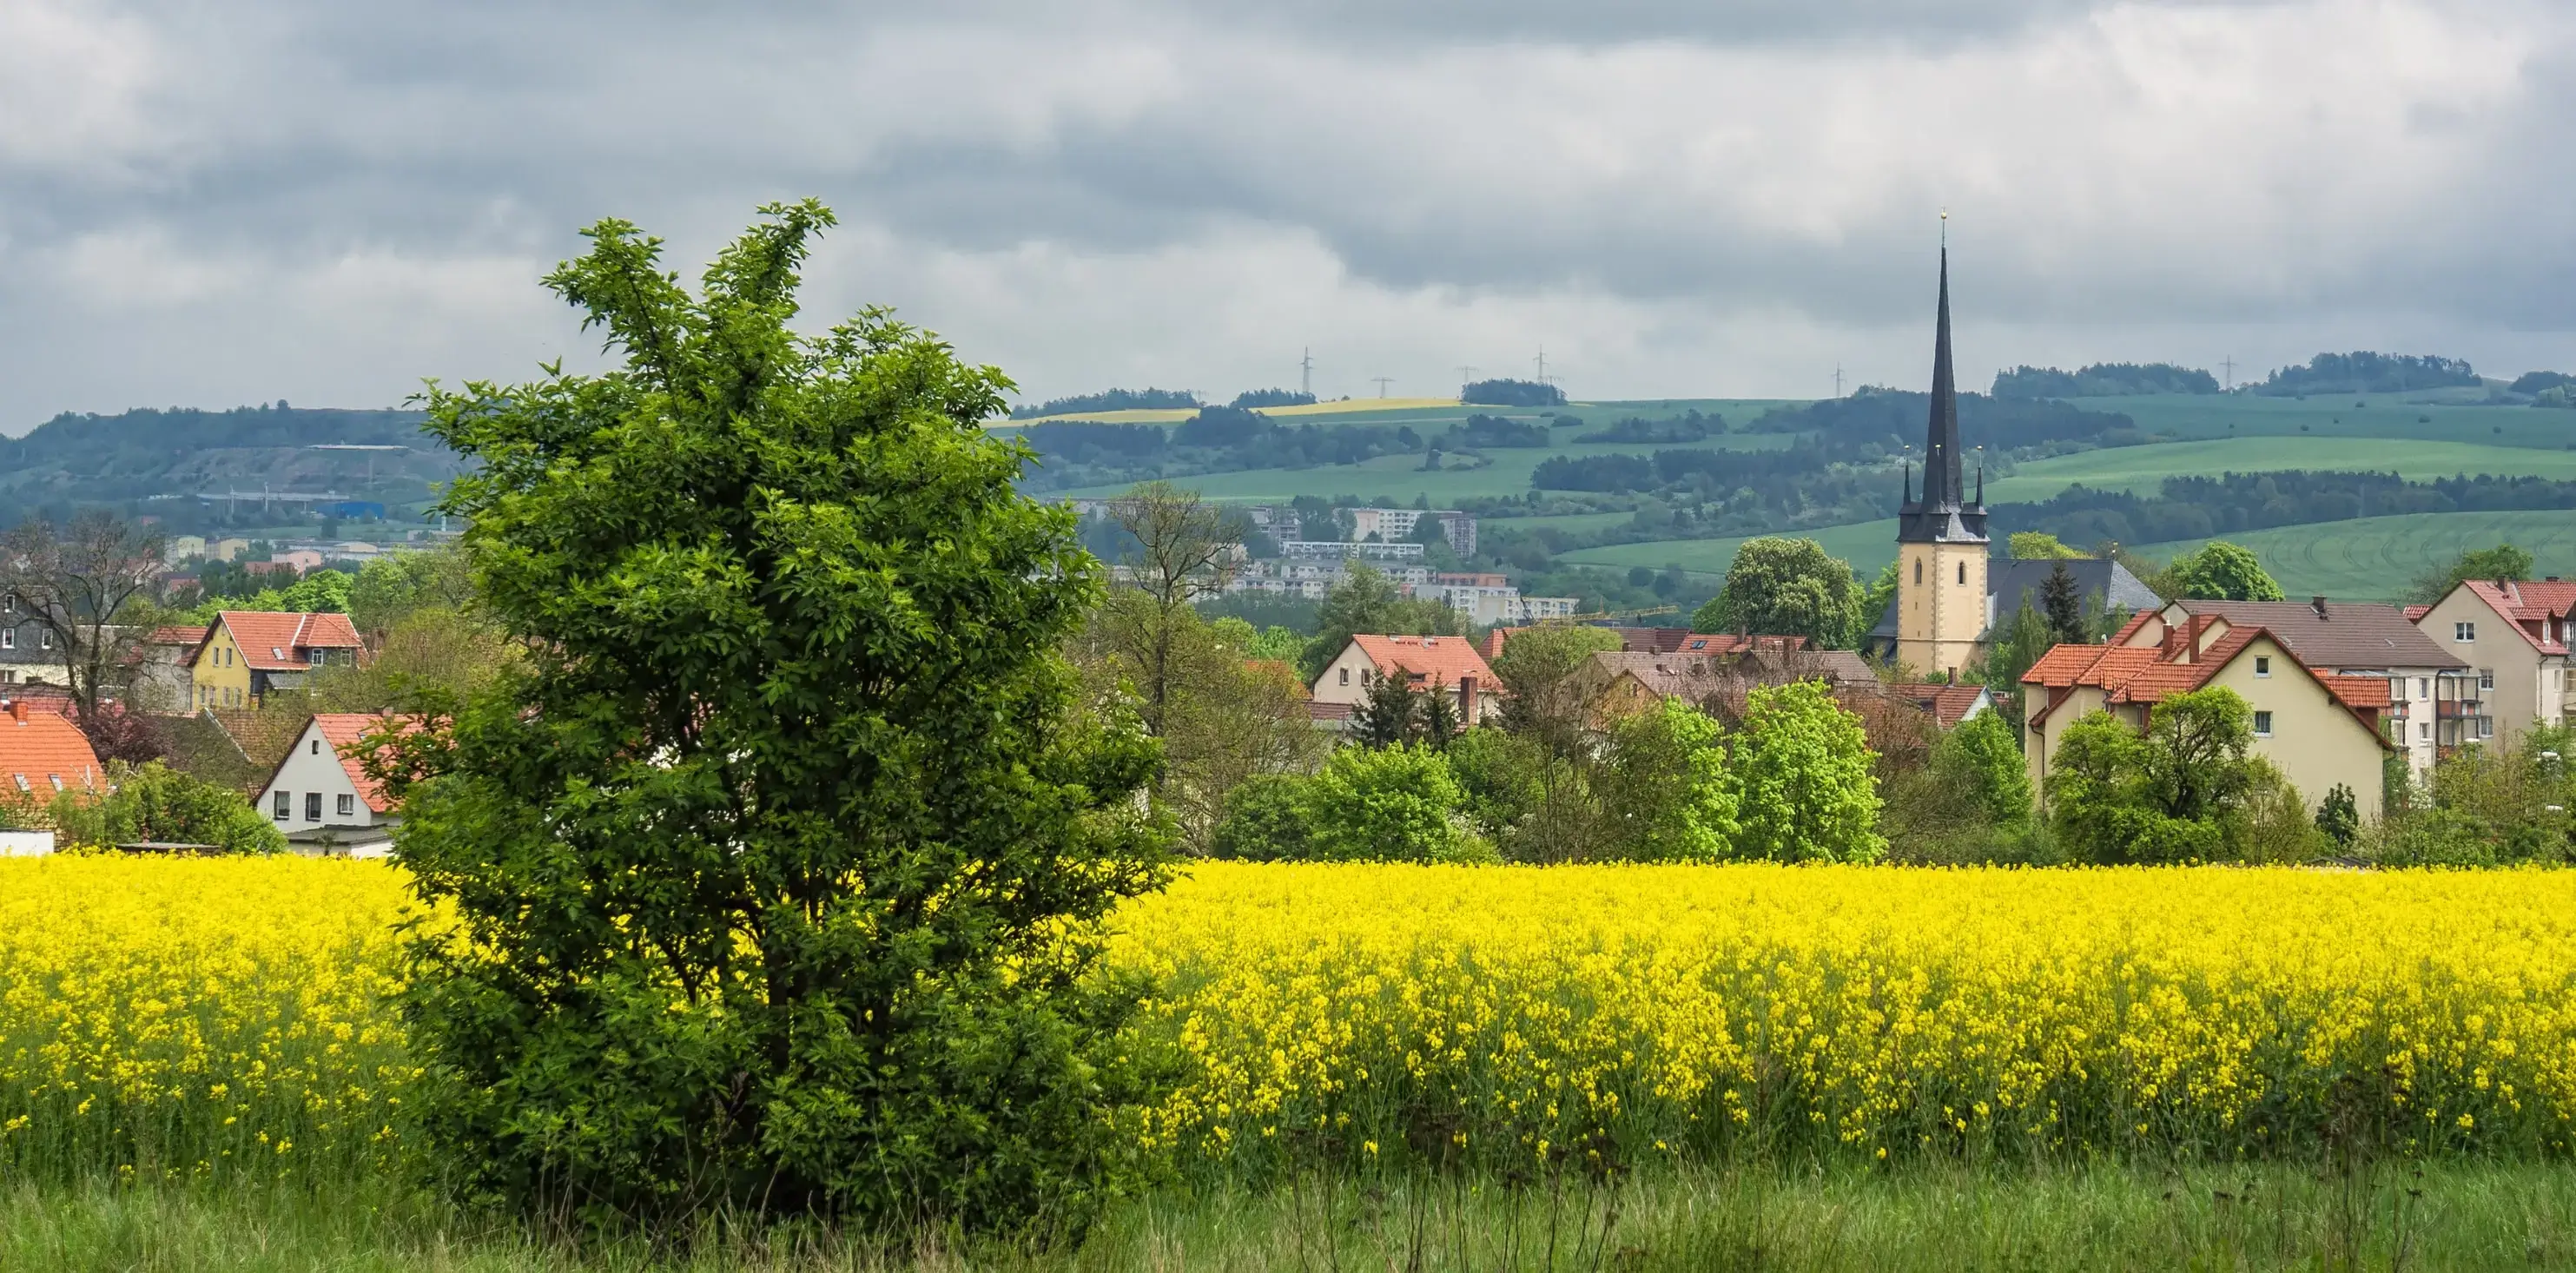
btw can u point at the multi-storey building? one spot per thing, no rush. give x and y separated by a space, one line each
2514 634
2428 685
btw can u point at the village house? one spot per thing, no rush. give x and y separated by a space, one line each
245 653
2319 729
1449 663
2344 638
320 795
43 754
2512 634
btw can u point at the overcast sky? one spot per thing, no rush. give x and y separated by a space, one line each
327 200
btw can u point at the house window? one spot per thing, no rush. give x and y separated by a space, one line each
2464 631
2262 724
317 748
56 779
2262 665
45 639
2423 687
282 805
2486 678
2486 727
2425 731
348 805
1963 572
313 657
8 638
1918 573
313 806
1346 676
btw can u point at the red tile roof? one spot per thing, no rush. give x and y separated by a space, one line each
1448 660
2141 674
42 753
341 731
2414 613
2531 605
270 641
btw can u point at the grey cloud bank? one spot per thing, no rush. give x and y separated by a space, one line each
327 203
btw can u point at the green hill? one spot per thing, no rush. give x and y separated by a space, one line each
160 461
2374 558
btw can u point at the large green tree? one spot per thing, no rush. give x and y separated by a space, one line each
2221 571
772 866
2504 561
1786 587
1808 790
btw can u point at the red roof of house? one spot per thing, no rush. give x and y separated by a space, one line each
1448 660
269 640
2141 674
342 730
42 753
2414 613
2530 604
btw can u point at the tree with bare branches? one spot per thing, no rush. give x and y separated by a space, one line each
76 582
1185 550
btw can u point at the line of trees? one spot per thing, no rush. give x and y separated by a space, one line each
1112 400
2363 371
2103 380
2200 507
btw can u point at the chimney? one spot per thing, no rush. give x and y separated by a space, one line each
18 710
1467 701
2319 605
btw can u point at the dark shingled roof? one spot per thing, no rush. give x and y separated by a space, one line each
2350 634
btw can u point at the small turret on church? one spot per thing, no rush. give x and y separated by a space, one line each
1941 538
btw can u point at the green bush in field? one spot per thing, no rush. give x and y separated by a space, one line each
778 859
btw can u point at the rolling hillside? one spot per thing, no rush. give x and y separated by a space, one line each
159 462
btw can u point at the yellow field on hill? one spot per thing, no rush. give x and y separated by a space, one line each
180 1018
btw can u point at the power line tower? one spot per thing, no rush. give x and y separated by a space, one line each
1466 377
1542 364
1306 372
2228 365
1838 380
1382 383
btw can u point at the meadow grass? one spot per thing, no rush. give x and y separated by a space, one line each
2374 558
2143 468
1866 545
2274 1216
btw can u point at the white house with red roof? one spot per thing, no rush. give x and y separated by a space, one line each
2515 632
2319 729
320 794
1447 662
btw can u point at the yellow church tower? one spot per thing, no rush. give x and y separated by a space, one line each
1940 538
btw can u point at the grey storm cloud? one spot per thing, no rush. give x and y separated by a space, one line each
328 202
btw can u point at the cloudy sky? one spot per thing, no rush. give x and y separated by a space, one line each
327 200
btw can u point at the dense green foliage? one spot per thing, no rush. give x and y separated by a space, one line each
1273 398
2199 507
2535 382
1511 393
1807 792
2187 790
2504 561
1217 439
1689 426
2363 371
1787 587
2222 571
2103 380
153 802
1112 400
776 860
1480 431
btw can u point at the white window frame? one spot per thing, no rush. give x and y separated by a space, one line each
2262 724
2464 630
2263 667
346 805
2486 679
281 806
8 638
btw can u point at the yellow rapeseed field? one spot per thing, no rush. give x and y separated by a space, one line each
175 1017
186 1017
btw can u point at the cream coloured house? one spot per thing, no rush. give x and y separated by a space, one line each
320 794
2514 633
1449 662
2320 730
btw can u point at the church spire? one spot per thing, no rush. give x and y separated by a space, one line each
1946 512
1943 480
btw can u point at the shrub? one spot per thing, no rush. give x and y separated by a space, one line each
156 802
1265 820
779 860
1809 793
1386 804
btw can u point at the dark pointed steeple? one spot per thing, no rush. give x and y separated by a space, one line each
1943 515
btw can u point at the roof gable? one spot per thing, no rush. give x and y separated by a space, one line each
341 732
274 642
1447 659
41 749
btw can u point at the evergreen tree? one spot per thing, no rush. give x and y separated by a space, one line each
1389 716
2064 606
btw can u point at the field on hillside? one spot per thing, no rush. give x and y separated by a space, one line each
2142 468
1399 478
2374 558
1866 545
2385 415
